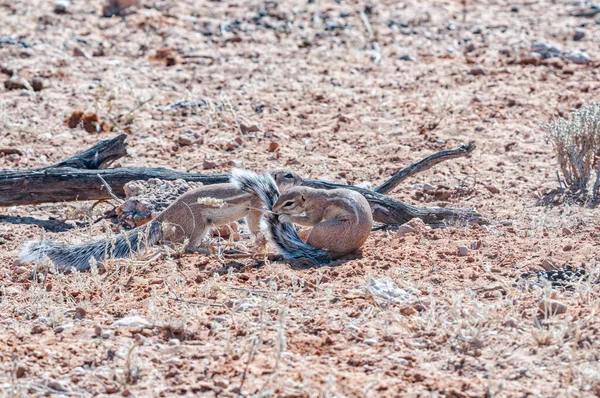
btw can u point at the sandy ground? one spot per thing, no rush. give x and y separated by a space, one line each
351 92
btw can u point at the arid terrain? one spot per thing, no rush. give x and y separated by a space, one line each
343 91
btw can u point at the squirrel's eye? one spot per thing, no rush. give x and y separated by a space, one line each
288 204
288 175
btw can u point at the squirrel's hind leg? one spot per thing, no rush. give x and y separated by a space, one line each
196 238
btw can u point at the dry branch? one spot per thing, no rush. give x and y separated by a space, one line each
77 178
425 164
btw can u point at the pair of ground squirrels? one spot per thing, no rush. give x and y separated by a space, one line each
271 203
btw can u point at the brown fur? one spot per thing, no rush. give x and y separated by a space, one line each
341 218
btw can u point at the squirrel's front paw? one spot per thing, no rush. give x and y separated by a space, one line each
284 218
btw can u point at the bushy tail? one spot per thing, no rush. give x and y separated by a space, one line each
282 236
66 256
262 184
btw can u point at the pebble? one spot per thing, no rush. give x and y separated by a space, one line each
116 7
577 57
510 323
477 70
531 59
370 341
132 321
463 251
106 334
61 6
174 342
552 307
209 164
185 140
408 58
579 34
249 128
476 245
223 383
97 330
492 189
80 313
548 265
20 371
273 146
55 385
404 230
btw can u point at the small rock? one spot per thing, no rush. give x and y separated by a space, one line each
116 7
37 329
510 323
463 251
568 248
577 57
273 146
97 330
404 230
209 164
492 189
132 321
61 6
79 52
20 83
249 127
479 129
55 385
514 9
106 334
548 265
477 70
20 371
545 50
579 34
566 231
174 342
80 313
531 59
407 58
20 270
476 245
223 383
59 329
370 341
185 140
552 307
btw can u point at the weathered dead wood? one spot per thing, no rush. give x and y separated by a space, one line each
425 164
99 156
78 178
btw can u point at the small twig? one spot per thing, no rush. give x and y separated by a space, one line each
596 189
110 191
260 291
199 303
560 181
140 104
41 387
250 358
367 23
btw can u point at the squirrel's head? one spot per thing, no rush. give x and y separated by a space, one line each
285 179
291 202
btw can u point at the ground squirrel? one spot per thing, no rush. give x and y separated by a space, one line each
341 219
187 219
